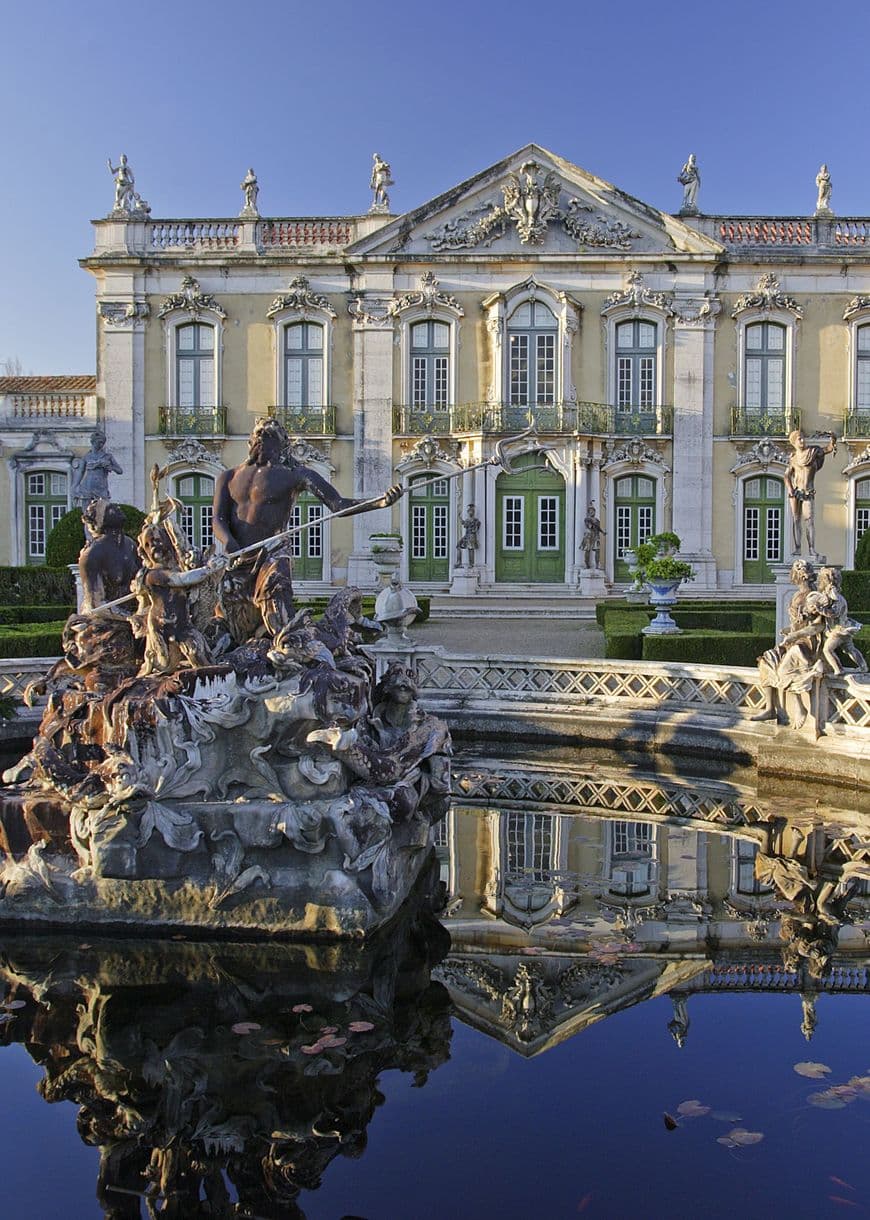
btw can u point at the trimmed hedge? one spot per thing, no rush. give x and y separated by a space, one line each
707 647
68 537
32 614
36 586
622 634
856 588
862 552
32 639
688 606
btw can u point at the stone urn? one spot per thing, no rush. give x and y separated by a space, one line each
386 552
662 595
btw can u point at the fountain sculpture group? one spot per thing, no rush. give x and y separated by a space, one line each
209 755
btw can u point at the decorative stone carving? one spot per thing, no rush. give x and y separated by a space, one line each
90 479
689 178
129 204
479 226
697 312
303 453
767 295
531 200
124 313
370 311
823 196
426 451
635 295
250 189
428 298
192 452
192 300
763 453
596 230
858 461
382 177
857 305
635 451
301 299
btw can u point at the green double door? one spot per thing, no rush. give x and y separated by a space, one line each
429 557
530 519
763 528
634 519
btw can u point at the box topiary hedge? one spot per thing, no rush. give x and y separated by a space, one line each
856 588
707 647
67 538
31 639
862 552
33 614
622 634
36 587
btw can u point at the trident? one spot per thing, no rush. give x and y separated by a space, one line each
506 452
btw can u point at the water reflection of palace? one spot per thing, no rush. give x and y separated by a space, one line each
573 894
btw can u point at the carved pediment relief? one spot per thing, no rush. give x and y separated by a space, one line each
535 200
767 295
192 300
300 299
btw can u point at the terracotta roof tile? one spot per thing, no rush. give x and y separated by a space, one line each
73 383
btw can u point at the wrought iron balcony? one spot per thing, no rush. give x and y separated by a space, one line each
856 424
638 421
305 421
193 421
750 423
584 418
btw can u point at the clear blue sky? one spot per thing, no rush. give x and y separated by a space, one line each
196 92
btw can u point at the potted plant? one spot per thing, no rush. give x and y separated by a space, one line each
638 557
663 576
666 543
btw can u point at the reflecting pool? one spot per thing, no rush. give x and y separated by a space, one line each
645 994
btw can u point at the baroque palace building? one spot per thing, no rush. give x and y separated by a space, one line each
661 361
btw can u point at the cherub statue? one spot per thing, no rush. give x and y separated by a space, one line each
840 629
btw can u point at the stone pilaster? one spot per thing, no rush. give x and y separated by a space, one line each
121 386
693 434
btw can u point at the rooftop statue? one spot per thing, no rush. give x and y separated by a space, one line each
250 190
689 178
382 177
128 201
824 188
90 475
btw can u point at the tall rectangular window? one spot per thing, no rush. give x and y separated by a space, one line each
636 358
513 523
430 366
548 523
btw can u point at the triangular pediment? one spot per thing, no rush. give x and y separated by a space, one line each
535 202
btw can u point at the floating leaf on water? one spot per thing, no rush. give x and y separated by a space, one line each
330 1041
692 1109
842 1202
328 1029
743 1137
245 1027
302 1008
826 1101
86 946
839 1182
670 1122
315 1049
861 1085
813 1071
726 1116
726 1140
360 1027
14 1004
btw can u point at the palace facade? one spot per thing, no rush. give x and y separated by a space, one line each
657 362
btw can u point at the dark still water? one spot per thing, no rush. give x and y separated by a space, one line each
631 1016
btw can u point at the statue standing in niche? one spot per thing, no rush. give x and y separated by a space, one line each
470 534
382 177
800 480
253 502
590 544
689 178
250 189
823 186
91 473
108 562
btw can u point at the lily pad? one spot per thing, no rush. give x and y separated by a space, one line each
314 1049
813 1071
692 1109
744 1138
245 1027
726 1116
302 1008
360 1027
826 1101
331 1041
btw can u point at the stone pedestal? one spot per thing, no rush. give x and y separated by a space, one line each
784 592
592 582
465 582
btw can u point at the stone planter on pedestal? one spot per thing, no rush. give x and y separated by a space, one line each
662 595
386 555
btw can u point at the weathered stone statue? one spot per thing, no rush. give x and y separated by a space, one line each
823 186
128 202
381 178
253 502
470 534
91 473
590 544
250 190
108 561
689 178
271 786
839 628
800 483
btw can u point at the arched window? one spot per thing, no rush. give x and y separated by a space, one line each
634 518
862 372
45 502
862 508
763 527
303 365
532 355
195 366
430 366
196 493
636 372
